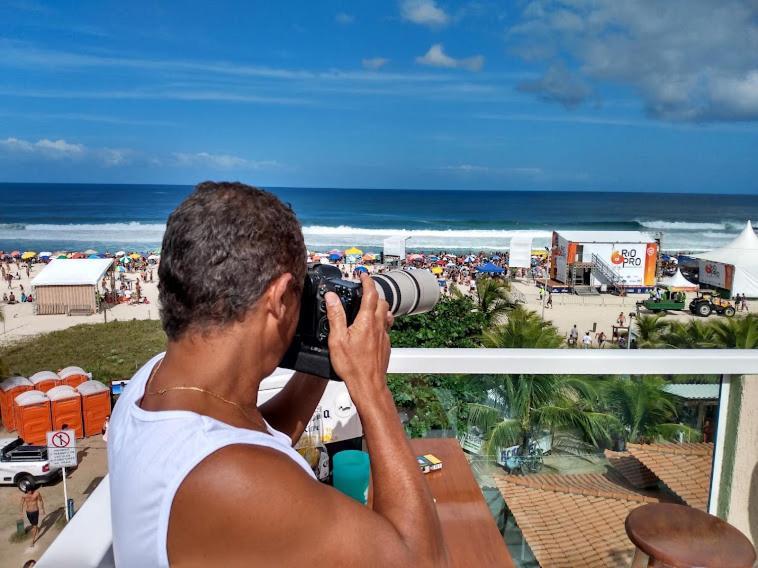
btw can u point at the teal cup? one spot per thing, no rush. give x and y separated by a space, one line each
351 470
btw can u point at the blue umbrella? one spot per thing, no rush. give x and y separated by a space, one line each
120 269
361 269
489 268
93 256
335 256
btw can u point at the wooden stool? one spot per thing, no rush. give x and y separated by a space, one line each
683 537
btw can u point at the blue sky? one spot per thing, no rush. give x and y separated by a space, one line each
565 95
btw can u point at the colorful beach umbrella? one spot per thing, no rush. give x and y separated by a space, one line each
125 260
16 253
120 253
368 257
120 269
90 251
353 251
436 270
61 256
78 255
416 257
45 254
135 256
93 256
361 269
335 256
28 254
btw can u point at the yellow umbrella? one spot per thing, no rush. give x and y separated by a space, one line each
353 251
542 253
436 270
135 256
28 254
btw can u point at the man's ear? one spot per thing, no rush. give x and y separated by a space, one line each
279 295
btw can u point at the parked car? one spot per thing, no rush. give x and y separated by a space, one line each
21 464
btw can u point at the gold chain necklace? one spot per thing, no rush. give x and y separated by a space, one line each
161 392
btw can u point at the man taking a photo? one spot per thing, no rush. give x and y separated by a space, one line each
202 476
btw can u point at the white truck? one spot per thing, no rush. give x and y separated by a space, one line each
21 464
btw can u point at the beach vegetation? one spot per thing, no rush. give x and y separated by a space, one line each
523 328
493 298
528 405
647 412
454 322
110 351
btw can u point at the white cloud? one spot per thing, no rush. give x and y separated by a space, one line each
436 57
471 169
344 19
374 62
688 60
54 149
221 161
424 12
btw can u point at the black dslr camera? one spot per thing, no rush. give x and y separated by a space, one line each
406 292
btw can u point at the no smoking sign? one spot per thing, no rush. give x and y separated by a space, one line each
61 448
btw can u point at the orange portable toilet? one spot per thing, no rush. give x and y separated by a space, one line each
45 380
66 408
32 415
96 406
73 376
9 390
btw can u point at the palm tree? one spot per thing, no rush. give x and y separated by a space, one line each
695 334
523 328
493 298
645 410
736 333
650 328
533 403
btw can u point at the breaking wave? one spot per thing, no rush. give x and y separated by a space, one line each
689 226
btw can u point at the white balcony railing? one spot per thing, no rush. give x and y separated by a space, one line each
86 540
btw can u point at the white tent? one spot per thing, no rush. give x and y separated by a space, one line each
733 267
69 286
678 283
520 253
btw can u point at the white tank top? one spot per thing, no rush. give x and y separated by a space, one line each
150 454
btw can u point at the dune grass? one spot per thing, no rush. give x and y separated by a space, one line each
109 351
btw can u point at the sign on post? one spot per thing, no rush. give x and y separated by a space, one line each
61 452
61 448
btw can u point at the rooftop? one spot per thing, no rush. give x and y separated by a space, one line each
684 468
574 520
694 391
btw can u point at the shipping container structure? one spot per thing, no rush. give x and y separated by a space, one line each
69 286
31 410
45 380
74 376
96 406
66 409
9 390
600 261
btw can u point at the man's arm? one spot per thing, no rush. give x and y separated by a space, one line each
254 506
41 503
290 410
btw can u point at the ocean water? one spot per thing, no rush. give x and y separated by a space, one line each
111 217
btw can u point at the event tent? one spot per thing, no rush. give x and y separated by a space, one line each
489 268
68 286
678 283
733 267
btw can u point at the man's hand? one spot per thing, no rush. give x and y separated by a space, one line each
360 353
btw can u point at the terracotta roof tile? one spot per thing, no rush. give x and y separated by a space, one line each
573 520
631 469
683 468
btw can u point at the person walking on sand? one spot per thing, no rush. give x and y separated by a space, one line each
743 303
600 337
621 319
32 504
573 336
586 341
549 303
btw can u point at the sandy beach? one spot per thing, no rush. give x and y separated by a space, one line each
600 311
21 321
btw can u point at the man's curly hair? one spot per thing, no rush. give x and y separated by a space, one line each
222 248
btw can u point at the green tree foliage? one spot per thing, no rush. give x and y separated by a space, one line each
649 330
454 322
523 328
736 333
646 411
493 298
531 404
654 331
